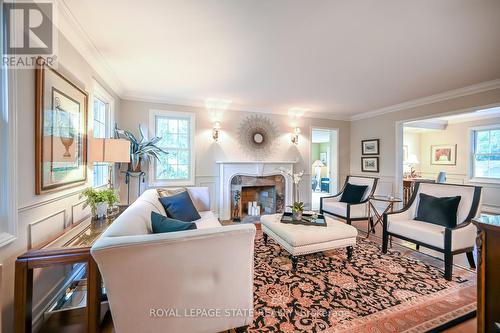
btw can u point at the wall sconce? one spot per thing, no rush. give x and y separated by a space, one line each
295 135
215 131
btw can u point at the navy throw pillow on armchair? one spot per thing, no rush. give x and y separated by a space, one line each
353 194
180 207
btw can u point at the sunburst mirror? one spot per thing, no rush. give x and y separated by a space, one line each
257 134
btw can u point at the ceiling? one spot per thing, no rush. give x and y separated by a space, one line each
336 58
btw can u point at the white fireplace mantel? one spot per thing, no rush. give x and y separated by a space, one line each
229 169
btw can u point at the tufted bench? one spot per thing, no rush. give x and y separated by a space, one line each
304 239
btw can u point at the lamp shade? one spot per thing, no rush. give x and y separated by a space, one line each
412 159
109 150
318 163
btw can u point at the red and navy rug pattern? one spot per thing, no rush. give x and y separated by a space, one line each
372 293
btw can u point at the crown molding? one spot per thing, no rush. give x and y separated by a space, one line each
69 26
138 97
460 92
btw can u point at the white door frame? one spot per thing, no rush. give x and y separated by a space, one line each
333 157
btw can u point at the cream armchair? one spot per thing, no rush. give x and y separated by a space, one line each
198 281
350 212
449 241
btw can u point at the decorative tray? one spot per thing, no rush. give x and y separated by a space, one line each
307 219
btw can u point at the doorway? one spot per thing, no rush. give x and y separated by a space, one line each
324 164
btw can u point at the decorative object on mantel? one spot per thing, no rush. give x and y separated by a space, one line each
60 131
444 154
99 201
109 151
257 135
370 147
369 164
140 149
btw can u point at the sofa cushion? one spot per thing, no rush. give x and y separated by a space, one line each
168 192
180 207
340 209
207 220
353 194
438 210
427 233
161 224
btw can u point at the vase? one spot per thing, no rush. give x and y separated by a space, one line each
101 209
297 216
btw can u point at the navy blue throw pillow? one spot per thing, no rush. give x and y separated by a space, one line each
353 194
180 207
441 211
161 224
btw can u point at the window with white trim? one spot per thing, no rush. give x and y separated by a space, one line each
176 130
102 113
486 153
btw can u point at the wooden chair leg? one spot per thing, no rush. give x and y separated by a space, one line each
448 266
470 258
265 238
294 263
385 241
349 253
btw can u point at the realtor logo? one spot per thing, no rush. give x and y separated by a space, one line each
29 32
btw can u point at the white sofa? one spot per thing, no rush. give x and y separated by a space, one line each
187 281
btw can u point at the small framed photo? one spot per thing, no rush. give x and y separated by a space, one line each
444 154
370 147
369 164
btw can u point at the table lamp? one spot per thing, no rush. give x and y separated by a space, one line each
110 151
412 160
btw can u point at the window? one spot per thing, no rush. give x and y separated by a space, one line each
102 112
177 132
486 153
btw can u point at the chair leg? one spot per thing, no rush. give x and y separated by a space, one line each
385 241
241 329
371 225
470 258
448 265
265 238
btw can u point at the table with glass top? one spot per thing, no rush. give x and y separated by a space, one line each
72 246
390 202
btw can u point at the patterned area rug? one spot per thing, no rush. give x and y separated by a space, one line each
372 293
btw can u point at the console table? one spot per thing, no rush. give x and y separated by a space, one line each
69 247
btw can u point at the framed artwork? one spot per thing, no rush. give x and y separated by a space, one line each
405 153
323 158
444 154
60 131
369 164
370 147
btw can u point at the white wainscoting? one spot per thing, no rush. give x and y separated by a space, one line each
78 213
45 228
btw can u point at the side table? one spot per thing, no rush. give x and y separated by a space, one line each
69 247
390 201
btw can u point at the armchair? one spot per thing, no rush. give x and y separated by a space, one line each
350 212
449 241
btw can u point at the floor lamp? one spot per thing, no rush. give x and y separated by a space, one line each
317 165
110 151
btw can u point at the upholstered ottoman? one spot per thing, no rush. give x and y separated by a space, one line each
304 239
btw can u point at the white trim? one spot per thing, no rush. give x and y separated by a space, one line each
69 26
8 125
152 181
472 89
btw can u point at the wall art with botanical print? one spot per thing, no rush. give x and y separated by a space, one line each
444 154
61 131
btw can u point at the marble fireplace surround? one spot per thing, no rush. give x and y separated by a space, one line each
229 169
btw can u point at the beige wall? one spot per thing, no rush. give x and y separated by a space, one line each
383 127
49 212
208 152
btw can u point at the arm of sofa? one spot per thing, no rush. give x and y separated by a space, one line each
208 269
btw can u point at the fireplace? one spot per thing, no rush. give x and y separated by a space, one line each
262 175
266 194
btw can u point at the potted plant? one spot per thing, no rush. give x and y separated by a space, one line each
99 200
140 149
297 210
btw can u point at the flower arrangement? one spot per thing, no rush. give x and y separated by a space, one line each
99 200
297 206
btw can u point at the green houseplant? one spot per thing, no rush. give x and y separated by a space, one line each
297 210
99 200
140 149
